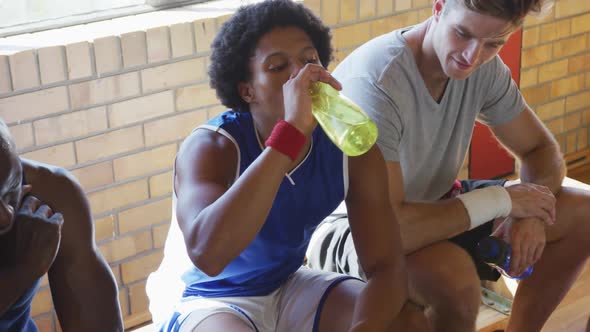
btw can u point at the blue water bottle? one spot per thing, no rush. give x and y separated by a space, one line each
496 253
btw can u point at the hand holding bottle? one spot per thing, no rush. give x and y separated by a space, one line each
527 239
297 99
498 254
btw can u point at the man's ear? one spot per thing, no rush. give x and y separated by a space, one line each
437 8
246 92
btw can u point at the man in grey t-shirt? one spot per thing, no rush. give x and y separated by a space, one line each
425 86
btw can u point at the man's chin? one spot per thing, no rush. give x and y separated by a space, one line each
459 74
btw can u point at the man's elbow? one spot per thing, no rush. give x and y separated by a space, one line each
390 270
206 262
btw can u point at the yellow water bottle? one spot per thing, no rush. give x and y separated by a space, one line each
345 123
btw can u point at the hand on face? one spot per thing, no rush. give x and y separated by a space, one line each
7 210
532 200
527 239
297 99
38 233
6 217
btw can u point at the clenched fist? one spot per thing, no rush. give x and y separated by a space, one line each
38 232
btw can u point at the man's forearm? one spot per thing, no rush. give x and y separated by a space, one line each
544 166
381 300
422 224
91 286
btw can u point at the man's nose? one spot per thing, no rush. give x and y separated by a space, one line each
472 52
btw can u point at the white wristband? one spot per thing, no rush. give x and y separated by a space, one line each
486 204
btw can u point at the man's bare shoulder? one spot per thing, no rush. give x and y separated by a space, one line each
41 176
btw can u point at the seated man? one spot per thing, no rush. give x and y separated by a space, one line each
425 86
46 227
244 210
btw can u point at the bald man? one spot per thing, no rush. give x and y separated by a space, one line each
46 227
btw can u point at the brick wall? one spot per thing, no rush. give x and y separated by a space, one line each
114 110
556 72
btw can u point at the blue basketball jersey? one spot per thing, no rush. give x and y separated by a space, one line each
307 195
18 317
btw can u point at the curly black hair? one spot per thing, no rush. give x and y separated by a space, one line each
238 37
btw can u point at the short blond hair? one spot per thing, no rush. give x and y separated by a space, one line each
511 10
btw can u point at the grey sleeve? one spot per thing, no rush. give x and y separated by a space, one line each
381 109
503 100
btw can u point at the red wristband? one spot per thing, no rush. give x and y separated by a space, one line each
286 139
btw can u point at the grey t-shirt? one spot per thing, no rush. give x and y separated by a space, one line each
428 139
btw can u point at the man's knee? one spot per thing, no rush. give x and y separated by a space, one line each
445 278
573 214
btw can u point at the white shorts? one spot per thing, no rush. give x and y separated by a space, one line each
295 306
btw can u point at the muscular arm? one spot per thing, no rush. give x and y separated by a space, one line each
425 223
82 286
529 140
210 203
377 241
525 137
